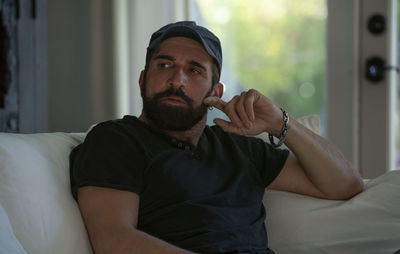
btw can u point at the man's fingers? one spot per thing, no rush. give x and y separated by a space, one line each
214 101
249 106
227 108
230 111
242 109
249 113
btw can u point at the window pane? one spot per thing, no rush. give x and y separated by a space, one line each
274 46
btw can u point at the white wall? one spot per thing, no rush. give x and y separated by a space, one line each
93 66
80 67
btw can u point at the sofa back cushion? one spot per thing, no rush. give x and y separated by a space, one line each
35 192
8 241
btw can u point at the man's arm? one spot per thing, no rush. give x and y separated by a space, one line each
111 218
315 167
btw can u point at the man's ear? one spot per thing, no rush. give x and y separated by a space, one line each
141 78
219 89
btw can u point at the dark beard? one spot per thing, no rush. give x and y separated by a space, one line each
173 118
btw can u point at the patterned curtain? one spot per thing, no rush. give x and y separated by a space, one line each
8 66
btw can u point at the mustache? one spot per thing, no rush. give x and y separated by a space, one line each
175 92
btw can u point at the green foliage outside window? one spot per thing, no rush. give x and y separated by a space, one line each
274 46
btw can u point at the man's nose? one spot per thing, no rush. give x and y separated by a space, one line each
178 78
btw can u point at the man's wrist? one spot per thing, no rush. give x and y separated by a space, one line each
282 134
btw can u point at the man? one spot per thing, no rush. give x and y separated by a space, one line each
167 183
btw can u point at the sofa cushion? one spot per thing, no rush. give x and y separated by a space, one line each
35 192
367 223
8 242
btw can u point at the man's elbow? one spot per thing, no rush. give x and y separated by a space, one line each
354 186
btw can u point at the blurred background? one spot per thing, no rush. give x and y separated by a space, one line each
68 64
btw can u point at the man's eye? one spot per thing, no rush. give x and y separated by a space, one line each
193 70
164 65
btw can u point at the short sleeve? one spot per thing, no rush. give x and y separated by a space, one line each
107 158
269 160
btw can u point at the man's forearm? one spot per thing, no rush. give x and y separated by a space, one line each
323 163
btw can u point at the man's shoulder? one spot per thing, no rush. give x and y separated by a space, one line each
111 133
124 121
128 131
121 125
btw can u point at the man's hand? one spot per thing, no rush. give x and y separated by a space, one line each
251 113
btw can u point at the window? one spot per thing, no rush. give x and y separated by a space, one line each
274 46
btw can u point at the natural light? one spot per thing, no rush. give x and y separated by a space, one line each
274 46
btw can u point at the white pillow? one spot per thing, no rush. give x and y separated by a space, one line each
367 223
312 122
35 192
8 242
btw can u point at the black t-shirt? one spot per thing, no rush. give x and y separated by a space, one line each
207 199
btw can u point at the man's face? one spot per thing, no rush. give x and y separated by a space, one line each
178 79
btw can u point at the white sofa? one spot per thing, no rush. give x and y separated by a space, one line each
39 216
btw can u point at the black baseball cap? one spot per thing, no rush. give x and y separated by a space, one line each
190 30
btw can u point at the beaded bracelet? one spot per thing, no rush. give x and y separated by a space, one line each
282 135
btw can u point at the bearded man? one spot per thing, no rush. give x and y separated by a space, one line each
168 183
